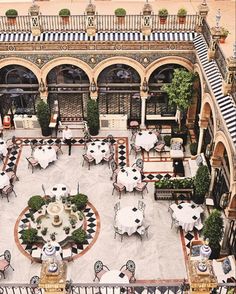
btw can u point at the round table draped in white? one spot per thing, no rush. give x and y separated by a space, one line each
129 177
59 190
45 155
53 250
3 147
4 180
98 149
128 219
113 277
187 214
146 140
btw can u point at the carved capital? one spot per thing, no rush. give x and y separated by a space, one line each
216 161
203 123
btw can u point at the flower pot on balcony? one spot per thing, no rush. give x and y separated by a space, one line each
163 13
11 21
11 15
65 15
182 19
163 19
182 12
65 19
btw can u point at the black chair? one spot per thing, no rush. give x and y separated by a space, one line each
99 270
5 262
129 270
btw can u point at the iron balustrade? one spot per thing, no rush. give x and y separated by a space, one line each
206 32
103 23
94 288
221 61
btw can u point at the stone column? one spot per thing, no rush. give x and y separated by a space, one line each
231 68
147 19
90 19
203 10
224 247
43 90
34 20
143 112
203 125
215 163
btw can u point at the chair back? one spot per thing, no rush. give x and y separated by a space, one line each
113 165
34 280
139 163
130 266
141 205
98 266
176 140
7 189
117 206
7 256
13 139
110 138
43 188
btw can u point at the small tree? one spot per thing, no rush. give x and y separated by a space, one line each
213 230
201 183
180 91
93 117
43 114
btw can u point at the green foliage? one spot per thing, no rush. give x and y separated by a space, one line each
185 183
80 201
93 117
79 236
64 12
36 202
202 181
213 229
11 13
163 12
167 139
224 32
43 114
182 12
120 12
193 148
44 231
29 236
73 221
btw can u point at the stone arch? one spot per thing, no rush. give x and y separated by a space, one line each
221 144
197 69
207 109
66 60
122 60
167 60
23 62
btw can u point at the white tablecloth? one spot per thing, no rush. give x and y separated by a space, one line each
188 216
98 150
4 180
59 190
128 219
129 177
113 277
3 147
45 155
57 254
146 140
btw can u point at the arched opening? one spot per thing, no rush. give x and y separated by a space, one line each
69 85
222 181
208 136
18 90
119 91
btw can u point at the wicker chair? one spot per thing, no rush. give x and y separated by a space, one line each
89 160
33 162
143 231
115 170
12 176
108 158
141 206
135 148
5 262
118 232
7 190
116 208
119 188
141 187
99 270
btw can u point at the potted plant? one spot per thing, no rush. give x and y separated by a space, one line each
163 13
213 229
120 13
11 15
93 117
79 236
182 12
43 114
53 236
167 139
36 202
67 230
193 148
223 35
73 222
201 184
65 15
44 231
29 236
38 221
81 215
80 201
179 93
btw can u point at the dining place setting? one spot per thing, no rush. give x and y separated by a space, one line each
129 177
44 155
59 190
98 150
3 148
146 139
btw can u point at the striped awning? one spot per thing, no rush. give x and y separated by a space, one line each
99 36
226 103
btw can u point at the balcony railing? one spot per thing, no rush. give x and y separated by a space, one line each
103 23
93 288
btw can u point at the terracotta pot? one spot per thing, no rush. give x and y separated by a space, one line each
162 20
120 20
11 21
182 19
65 19
222 40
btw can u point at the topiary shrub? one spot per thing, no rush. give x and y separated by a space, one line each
80 201
201 183
29 236
93 117
36 202
64 12
213 230
120 12
79 236
43 114
193 148
11 13
167 139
